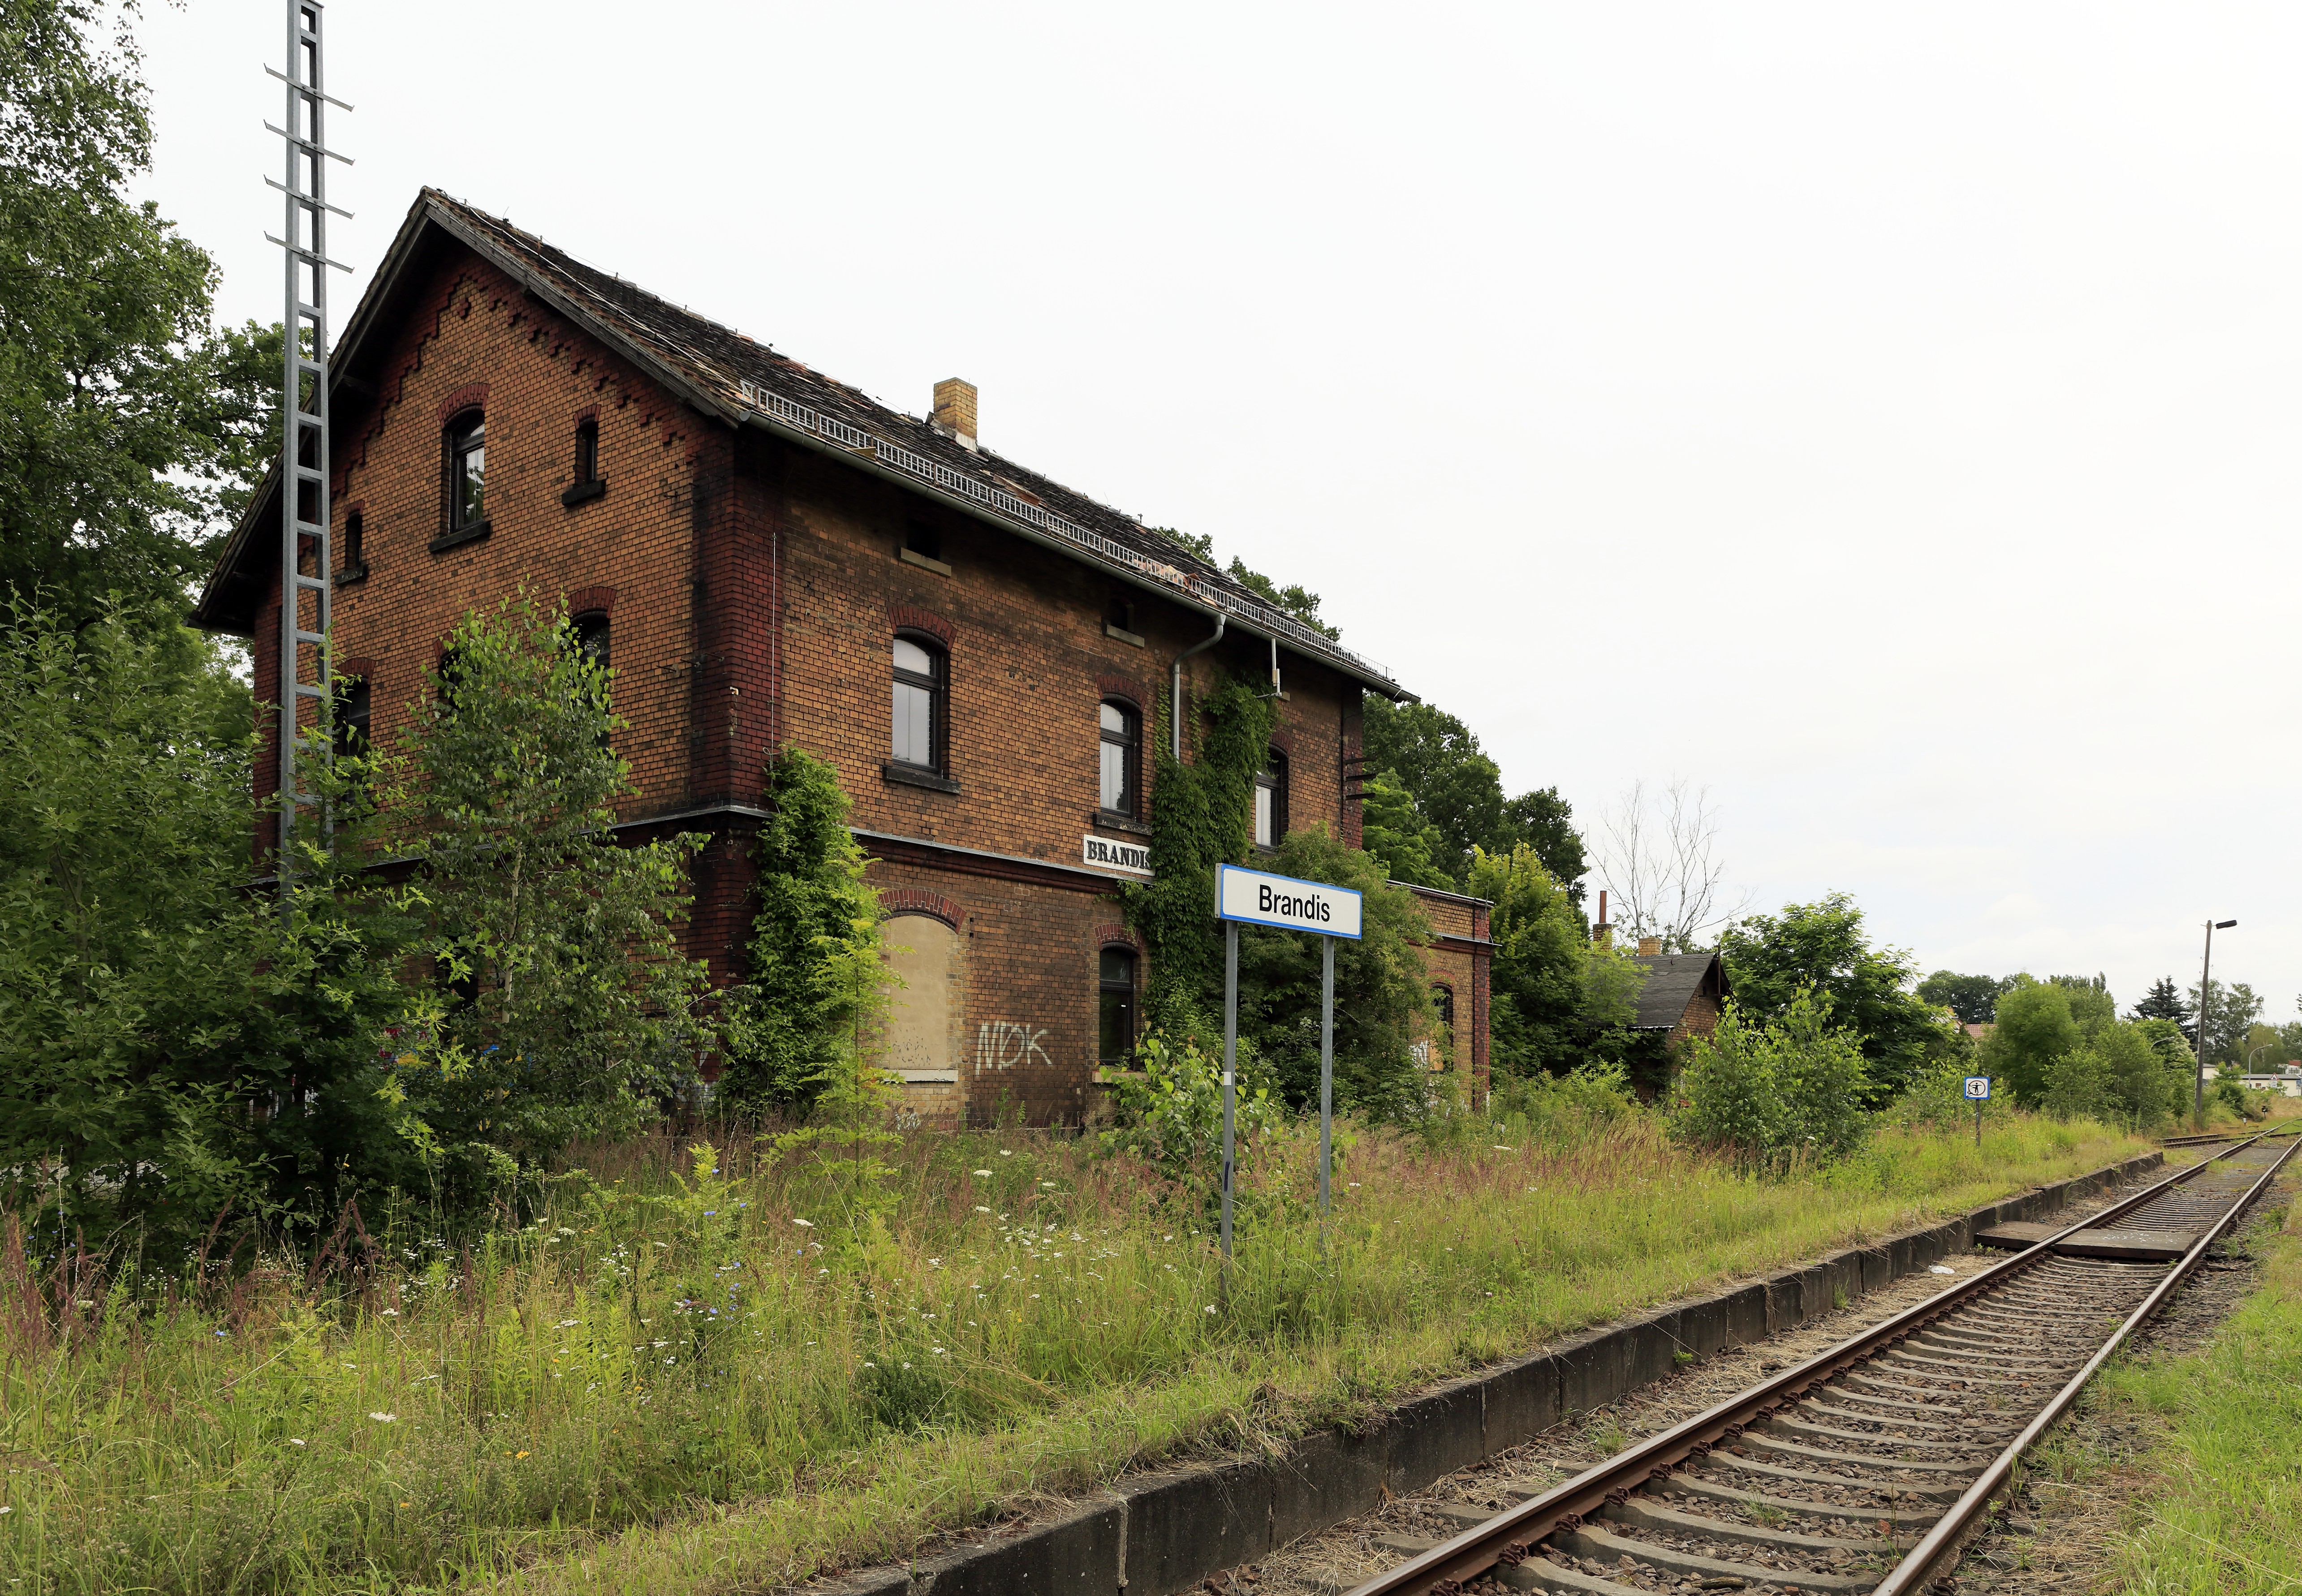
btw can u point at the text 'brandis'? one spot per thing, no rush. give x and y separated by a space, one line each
1268 901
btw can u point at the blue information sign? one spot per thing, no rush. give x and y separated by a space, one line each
1978 1086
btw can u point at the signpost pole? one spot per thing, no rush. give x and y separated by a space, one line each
1229 1084
1978 1124
1326 1076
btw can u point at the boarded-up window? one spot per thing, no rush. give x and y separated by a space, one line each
924 952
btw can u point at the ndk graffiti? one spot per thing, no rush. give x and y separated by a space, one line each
1002 1045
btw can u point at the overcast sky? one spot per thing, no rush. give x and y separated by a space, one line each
1884 416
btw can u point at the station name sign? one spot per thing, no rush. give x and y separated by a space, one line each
1130 858
1265 900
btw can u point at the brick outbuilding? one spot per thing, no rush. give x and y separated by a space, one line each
768 556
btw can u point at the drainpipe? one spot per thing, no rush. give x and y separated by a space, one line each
1175 685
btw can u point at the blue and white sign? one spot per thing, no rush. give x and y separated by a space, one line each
1264 900
1978 1086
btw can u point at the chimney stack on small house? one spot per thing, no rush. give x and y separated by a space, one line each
954 409
1649 946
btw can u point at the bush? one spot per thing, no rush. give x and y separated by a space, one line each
1777 1093
2118 1078
1171 1115
1547 1108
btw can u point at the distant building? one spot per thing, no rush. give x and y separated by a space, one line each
1684 994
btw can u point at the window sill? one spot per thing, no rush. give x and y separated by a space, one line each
916 776
913 556
1122 635
577 493
1265 849
1111 819
456 539
351 575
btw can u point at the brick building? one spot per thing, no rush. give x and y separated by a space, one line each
1685 995
767 556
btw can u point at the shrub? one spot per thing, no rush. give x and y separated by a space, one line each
1776 1093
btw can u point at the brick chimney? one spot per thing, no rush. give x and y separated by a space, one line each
954 409
1602 932
1649 946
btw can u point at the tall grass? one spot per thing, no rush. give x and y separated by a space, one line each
2226 1519
669 1384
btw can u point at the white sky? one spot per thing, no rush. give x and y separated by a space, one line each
1883 414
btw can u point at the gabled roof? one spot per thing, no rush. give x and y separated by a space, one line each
740 382
1672 981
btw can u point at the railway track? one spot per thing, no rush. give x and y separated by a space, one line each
1861 1469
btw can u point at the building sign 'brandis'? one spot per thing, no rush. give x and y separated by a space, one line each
1129 858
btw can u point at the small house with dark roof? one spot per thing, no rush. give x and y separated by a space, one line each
1683 996
991 659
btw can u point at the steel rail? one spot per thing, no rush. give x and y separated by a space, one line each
1912 1573
1511 1536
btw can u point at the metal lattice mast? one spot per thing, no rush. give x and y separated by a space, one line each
305 599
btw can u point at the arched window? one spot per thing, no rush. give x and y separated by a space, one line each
1271 801
355 551
1123 758
1115 1005
592 637
1442 998
916 734
467 471
924 952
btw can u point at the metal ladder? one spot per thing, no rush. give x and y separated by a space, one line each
303 509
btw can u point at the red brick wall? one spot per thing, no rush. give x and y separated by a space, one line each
1458 960
475 332
754 588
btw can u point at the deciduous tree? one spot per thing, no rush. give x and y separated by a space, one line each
130 428
576 1014
1771 958
1972 997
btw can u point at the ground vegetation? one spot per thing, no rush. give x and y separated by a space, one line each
665 1379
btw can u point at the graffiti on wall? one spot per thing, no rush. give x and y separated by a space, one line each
1002 1045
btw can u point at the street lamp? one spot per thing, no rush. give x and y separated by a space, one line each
2206 1002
